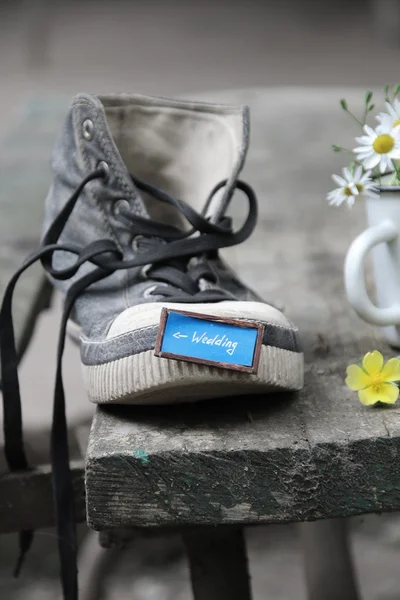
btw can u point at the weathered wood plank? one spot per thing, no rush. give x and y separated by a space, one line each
316 455
218 565
26 498
184 470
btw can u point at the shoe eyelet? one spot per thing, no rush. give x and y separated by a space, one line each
106 169
135 242
119 205
88 129
144 271
149 291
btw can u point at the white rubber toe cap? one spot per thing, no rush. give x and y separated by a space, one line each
145 315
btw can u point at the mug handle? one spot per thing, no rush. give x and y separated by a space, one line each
354 279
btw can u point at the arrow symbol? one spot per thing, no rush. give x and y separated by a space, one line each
179 335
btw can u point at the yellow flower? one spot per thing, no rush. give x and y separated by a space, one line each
374 381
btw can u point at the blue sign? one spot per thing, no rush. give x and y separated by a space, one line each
208 340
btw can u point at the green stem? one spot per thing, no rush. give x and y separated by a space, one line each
396 168
355 118
366 111
342 149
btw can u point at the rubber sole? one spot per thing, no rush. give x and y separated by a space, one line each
147 379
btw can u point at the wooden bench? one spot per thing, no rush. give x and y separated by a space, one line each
211 469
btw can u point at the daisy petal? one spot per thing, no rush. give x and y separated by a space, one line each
391 110
385 164
373 362
385 126
382 167
371 161
339 180
356 379
347 174
334 199
365 177
391 371
386 393
358 174
364 139
351 201
366 148
368 130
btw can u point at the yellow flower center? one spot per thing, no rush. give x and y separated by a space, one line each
377 381
348 192
396 123
383 144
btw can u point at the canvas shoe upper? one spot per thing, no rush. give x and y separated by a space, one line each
184 149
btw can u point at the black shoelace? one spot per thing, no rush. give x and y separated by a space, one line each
167 255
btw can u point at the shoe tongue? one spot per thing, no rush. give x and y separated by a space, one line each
183 148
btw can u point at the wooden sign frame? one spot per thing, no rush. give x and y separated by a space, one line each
214 319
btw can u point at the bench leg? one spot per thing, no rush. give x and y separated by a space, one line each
218 565
94 564
328 565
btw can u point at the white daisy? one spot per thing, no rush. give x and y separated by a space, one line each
390 119
378 148
351 186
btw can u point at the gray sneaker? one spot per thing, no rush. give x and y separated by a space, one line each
135 218
161 165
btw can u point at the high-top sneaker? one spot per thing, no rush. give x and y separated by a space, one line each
167 171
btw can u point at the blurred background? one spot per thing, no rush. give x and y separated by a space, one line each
182 46
51 49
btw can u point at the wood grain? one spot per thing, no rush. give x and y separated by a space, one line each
26 498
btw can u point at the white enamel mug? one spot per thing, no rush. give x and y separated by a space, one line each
383 239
